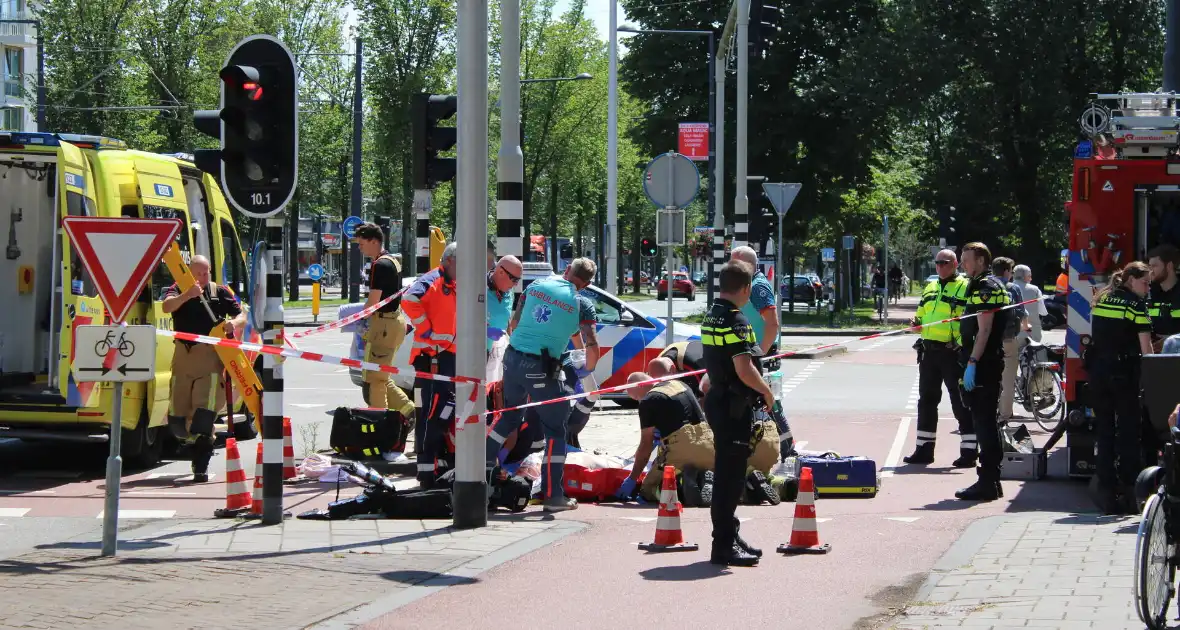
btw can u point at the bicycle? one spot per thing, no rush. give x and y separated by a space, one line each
1156 541
1039 388
125 347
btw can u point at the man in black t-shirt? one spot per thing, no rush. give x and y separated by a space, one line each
195 366
682 356
672 410
387 327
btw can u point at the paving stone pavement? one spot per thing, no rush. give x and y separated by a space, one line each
234 574
1042 570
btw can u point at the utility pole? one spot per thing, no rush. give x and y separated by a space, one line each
510 236
610 231
470 498
719 66
354 252
741 206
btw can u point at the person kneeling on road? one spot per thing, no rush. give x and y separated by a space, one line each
195 366
671 409
548 316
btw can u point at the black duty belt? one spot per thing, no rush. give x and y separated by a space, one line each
527 354
383 315
930 344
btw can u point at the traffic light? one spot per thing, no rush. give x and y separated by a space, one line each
257 126
317 232
566 251
946 224
765 25
427 110
383 223
647 248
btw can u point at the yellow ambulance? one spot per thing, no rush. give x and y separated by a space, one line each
45 292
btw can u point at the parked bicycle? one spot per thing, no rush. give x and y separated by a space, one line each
1156 542
1039 388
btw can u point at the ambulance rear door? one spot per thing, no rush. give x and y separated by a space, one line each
79 302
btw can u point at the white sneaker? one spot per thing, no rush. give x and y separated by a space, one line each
395 458
563 504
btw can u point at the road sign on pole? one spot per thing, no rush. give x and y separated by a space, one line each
350 226
671 180
315 272
828 254
781 196
120 254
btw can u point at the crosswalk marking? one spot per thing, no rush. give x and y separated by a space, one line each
798 379
912 403
876 345
142 514
13 512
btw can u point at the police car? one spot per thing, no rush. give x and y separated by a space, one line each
627 338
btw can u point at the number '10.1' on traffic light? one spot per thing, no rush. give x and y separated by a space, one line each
258 126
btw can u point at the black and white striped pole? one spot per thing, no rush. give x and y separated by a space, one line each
258 166
510 237
423 201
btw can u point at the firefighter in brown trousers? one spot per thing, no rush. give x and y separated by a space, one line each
195 366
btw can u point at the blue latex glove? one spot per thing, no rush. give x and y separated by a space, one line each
969 377
627 489
495 333
502 456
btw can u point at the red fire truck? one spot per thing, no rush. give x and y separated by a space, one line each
1125 201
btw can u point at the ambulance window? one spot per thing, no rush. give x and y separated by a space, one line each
80 281
232 268
162 278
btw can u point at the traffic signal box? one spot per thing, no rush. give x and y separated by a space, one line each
258 128
426 112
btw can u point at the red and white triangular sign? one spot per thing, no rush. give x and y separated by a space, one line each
120 255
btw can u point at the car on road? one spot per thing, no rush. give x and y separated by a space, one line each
628 339
682 286
807 289
644 278
700 278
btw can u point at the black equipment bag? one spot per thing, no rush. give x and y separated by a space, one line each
368 432
434 503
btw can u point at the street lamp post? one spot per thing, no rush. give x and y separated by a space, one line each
714 192
40 69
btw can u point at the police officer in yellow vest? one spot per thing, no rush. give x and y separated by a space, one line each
938 362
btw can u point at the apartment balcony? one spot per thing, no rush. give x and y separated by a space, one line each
17 34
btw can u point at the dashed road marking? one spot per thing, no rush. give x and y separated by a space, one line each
912 403
903 519
891 461
878 344
142 514
798 379
13 512
28 491
641 519
307 405
177 476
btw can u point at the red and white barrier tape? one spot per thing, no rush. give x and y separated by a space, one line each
355 317
673 377
310 356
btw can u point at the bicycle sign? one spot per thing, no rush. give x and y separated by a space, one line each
114 353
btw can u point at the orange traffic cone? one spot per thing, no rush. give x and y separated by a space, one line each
288 452
668 534
804 535
237 497
256 499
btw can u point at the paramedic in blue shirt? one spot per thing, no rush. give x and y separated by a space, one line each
759 310
501 280
548 316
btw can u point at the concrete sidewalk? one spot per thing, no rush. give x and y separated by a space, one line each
1034 570
235 574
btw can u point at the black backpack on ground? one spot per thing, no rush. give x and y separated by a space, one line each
366 433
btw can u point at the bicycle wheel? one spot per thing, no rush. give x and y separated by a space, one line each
1154 569
1048 398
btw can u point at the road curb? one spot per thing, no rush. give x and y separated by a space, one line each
818 354
461 574
961 551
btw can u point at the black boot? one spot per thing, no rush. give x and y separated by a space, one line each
979 491
923 454
732 556
740 542
202 451
967 459
1000 490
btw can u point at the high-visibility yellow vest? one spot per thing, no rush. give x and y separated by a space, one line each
942 301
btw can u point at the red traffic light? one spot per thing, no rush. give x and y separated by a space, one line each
253 91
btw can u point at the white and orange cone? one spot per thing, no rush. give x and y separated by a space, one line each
669 537
237 496
804 532
289 471
256 502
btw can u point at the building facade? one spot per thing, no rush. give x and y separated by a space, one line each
18 65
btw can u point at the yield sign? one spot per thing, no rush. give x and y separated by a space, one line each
781 195
120 255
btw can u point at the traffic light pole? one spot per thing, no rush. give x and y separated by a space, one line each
272 378
423 202
719 64
510 166
354 252
741 202
469 494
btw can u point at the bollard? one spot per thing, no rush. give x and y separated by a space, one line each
315 302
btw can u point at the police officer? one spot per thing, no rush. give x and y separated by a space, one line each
550 314
938 362
1120 334
759 309
430 305
983 353
386 327
1164 300
731 360
196 368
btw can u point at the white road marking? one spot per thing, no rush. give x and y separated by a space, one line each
28 491
903 519
800 445
822 520
903 429
13 512
307 405
143 514
177 475
162 493
912 403
798 379
874 346
641 519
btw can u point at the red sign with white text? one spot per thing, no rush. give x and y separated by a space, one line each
694 140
